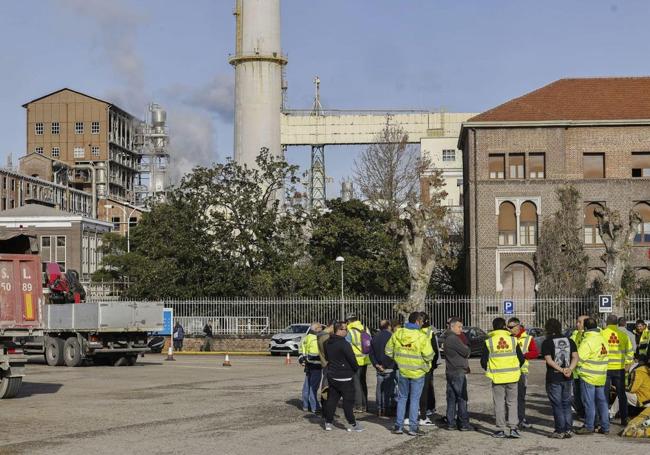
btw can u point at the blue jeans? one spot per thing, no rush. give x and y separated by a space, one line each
310 389
385 393
457 400
559 394
593 398
408 388
617 378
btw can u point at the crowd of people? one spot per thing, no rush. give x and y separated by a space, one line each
583 370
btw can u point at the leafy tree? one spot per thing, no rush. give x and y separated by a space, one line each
560 260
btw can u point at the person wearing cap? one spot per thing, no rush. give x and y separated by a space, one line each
355 329
620 357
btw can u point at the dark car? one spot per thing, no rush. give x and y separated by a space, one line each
475 336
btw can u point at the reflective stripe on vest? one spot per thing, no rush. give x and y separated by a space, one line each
525 346
503 366
593 359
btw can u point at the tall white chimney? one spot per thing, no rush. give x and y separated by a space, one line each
258 79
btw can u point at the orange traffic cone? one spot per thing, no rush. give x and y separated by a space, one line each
226 361
170 354
287 361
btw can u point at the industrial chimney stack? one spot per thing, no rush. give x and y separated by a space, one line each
258 62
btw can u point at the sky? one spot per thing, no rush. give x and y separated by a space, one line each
460 55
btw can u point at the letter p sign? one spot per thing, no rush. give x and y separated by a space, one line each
605 304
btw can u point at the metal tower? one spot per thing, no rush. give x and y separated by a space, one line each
317 177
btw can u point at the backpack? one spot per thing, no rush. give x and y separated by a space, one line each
365 340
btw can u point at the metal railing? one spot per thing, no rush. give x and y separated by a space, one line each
262 316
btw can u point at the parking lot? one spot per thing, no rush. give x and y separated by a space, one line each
194 405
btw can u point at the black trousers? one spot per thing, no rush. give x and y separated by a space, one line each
338 389
361 388
428 398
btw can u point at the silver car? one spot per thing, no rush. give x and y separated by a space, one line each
288 340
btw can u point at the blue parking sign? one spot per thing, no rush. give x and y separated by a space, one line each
168 317
605 304
508 307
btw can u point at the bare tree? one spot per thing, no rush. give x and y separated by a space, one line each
617 238
388 172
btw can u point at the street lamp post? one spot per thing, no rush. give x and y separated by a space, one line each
128 222
341 260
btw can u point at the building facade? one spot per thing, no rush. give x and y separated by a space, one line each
591 133
72 241
89 136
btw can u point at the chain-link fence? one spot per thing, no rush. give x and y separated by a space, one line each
264 316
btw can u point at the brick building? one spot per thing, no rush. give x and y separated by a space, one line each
593 133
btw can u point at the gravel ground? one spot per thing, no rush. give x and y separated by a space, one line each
194 405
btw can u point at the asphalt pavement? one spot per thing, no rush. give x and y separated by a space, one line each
195 405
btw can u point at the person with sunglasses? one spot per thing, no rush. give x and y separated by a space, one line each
530 351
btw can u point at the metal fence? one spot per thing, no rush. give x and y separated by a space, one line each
264 316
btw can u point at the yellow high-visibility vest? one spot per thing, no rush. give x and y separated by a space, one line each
592 367
412 351
524 344
354 330
619 348
309 348
644 342
503 363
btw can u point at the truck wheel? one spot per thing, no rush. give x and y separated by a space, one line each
120 361
9 386
54 351
72 352
132 360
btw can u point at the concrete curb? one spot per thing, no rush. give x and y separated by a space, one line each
243 353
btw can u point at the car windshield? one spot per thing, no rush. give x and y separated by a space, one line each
296 328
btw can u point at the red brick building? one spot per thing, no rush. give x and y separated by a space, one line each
593 133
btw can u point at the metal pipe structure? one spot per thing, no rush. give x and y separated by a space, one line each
258 63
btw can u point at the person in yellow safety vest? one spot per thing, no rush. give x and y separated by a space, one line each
412 351
310 359
592 370
355 329
620 356
577 336
428 398
642 335
530 351
502 360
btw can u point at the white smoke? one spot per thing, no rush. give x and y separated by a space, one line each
217 96
193 141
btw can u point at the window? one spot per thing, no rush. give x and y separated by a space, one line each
79 152
94 127
497 166
60 241
528 224
516 164
593 165
79 127
95 150
39 150
537 165
592 234
45 241
507 224
449 155
38 128
132 222
56 128
643 231
116 223
56 152
641 164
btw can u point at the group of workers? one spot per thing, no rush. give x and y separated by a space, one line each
581 370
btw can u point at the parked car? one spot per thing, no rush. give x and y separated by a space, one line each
475 336
288 340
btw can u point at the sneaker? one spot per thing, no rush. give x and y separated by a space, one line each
356 428
430 412
583 431
601 431
467 428
556 435
406 422
499 434
397 430
567 435
427 423
524 424
305 409
514 434
417 432
328 427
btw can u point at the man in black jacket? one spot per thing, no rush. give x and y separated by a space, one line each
207 344
386 372
341 366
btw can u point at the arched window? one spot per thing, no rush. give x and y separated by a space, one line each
592 235
507 224
528 224
518 281
642 236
